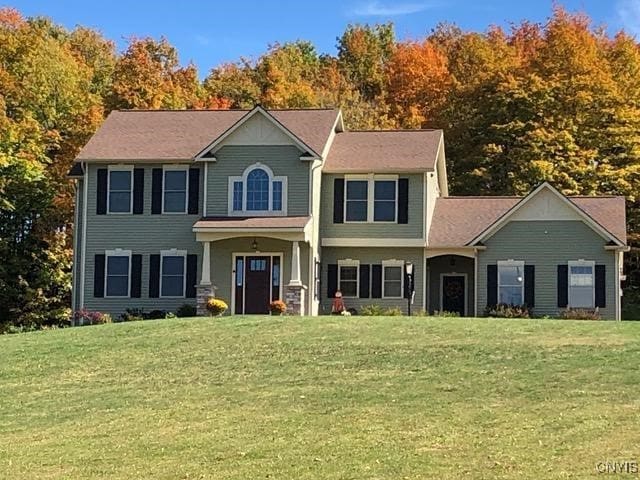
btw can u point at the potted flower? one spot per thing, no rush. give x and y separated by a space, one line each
277 307
216 306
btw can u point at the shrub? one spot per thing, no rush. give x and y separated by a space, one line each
502 310
580 314
87 317
170 315
216 306
132 315
380 311
186 310
277 307
446 314
155 315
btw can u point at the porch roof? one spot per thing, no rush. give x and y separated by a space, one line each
243 223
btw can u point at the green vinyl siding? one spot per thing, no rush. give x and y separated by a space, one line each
283 160
413 229
144 234
547 244
370 255
222 262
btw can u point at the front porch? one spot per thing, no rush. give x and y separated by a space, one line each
451 282
250 262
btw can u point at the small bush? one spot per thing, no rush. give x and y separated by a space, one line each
170 315
502 310
155 315
277 307
380 311
186 310
87 317
446 314
132 315
580 314
216 306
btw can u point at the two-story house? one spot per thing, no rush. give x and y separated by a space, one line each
253 206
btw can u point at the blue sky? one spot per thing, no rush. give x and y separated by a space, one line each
211 32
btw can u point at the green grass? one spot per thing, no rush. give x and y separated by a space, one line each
320 398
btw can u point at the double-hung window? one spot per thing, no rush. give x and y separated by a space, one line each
392 278
172 273
117 273
511 282
371 198
348 278
581 284
257 192
175 186
356 203
120 189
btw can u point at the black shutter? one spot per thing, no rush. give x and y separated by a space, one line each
156 191
136 276
332 280
376 281
403 200
194 191
154 276
364 281
492 285
601 286
101 192
563 286
338 200
138 191
192 272
98 276
529 286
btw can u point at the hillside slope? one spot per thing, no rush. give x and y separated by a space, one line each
330 398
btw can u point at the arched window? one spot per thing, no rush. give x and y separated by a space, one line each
257 192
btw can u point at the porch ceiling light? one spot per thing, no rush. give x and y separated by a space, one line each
254 245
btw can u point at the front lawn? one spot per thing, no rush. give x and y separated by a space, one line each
320 398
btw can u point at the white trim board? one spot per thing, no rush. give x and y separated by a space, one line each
372 242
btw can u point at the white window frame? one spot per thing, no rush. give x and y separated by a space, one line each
176 168
119 168
511 263
118 252
393 263
582 263
256 213
349 263
371 179
174 253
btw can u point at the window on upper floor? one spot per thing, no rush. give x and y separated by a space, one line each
175 185
257 192
120 190
371 198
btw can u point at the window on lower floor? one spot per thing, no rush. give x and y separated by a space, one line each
172 276
392 279
117 273
581 284
511 282
348 278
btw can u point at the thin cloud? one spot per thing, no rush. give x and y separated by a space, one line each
628 12
377 9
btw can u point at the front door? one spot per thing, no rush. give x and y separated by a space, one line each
257 284
453 293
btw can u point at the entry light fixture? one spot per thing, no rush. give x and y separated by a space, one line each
254 245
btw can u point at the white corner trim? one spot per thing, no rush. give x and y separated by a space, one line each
204 189
83 261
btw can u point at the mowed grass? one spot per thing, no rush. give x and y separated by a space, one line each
320 398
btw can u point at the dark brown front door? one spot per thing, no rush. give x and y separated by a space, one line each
257 286
453 297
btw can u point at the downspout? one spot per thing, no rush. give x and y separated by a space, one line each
83 263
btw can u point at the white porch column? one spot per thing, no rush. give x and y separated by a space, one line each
206 264
295 264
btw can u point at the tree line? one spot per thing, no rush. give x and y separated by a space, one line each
557 101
